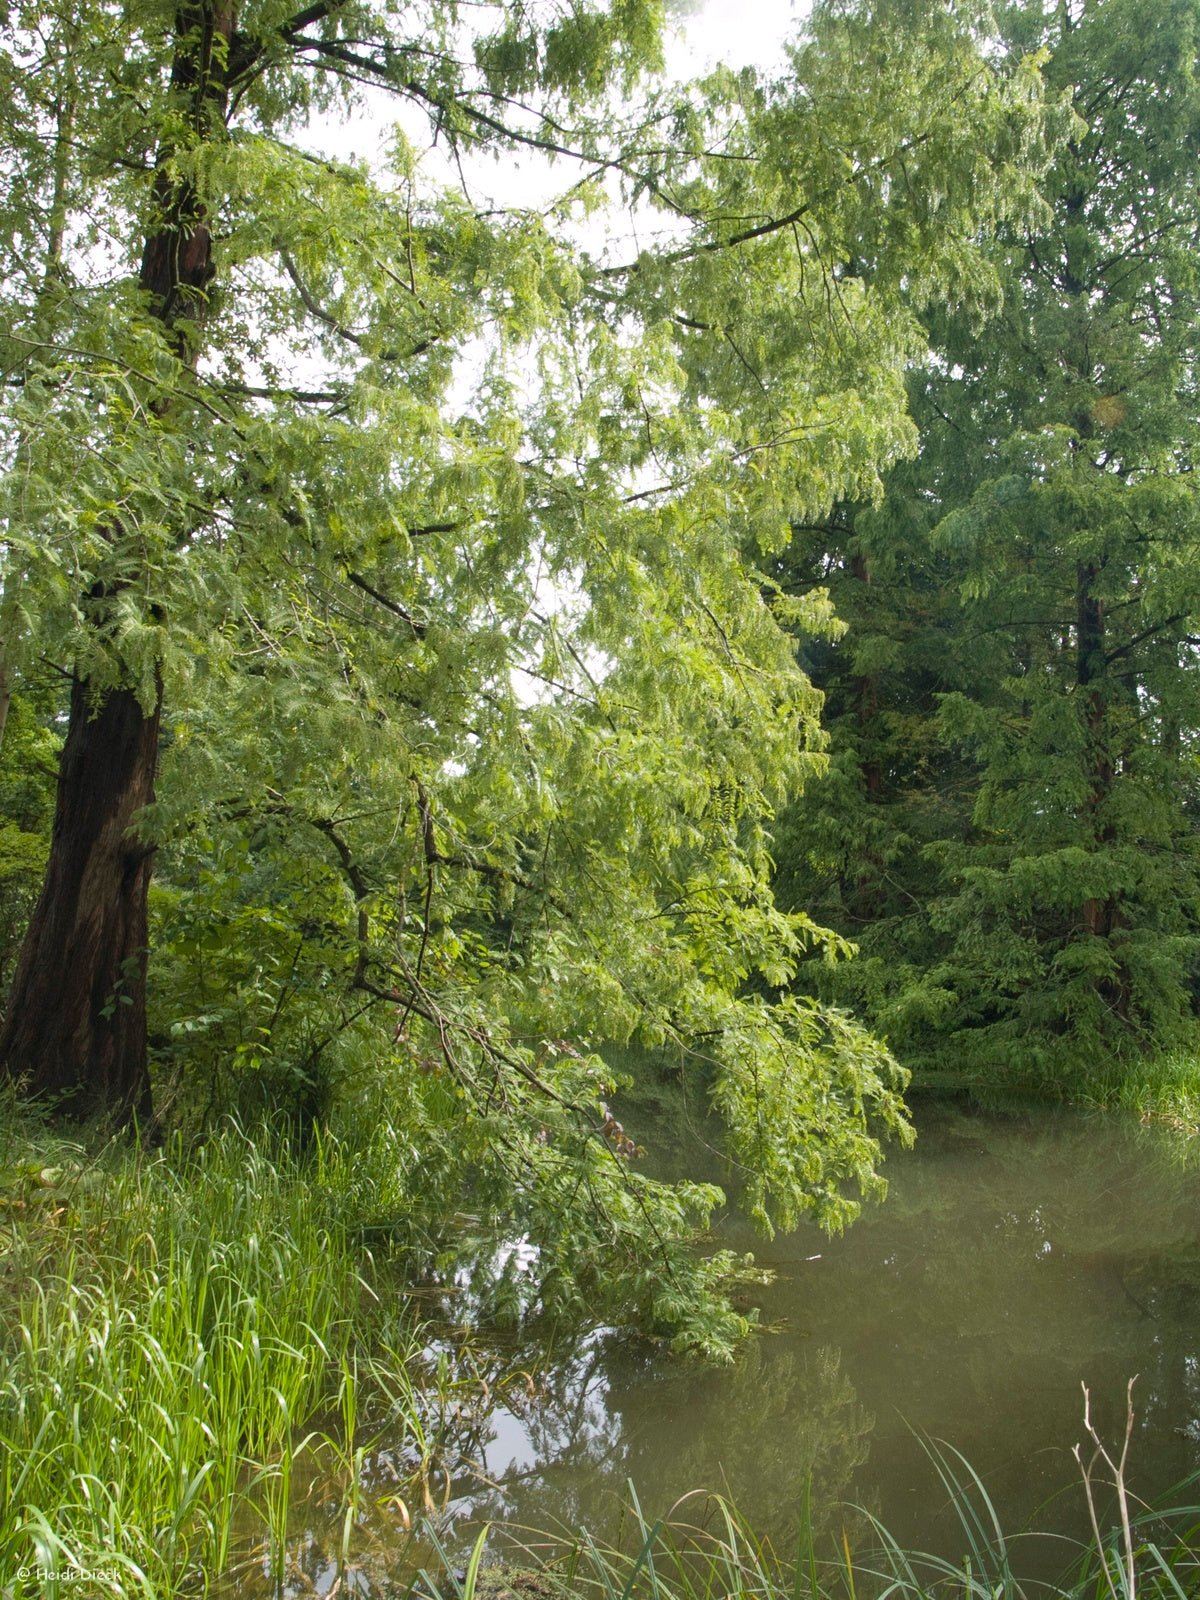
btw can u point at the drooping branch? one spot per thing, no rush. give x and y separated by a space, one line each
420 629
435 856
409 988
360 888
1150 632
361 342
380 69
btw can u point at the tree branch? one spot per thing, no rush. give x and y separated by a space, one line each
1131 645
420 629
315 309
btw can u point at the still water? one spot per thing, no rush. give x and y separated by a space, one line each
1018 1255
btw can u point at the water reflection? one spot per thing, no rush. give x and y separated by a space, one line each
756 1432
1017 1256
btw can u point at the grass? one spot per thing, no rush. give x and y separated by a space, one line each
705 1549
1161 1089
171 1323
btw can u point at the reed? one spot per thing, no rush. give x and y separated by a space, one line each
705 1549
171 1321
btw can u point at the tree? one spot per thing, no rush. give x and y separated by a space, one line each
471 706
1038 907
145 135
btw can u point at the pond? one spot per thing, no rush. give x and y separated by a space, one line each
1019 1255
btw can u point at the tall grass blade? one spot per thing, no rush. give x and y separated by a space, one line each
646 1554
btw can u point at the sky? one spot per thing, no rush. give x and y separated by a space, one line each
735 33
711 33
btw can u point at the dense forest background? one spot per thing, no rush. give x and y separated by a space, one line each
1010 828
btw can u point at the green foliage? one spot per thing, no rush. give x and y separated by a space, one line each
1010 829
479 698
22 862
26 803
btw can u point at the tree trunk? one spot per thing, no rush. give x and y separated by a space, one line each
1090 645
75 1028
1101 916
868 700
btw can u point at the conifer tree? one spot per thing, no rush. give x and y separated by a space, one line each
1017 697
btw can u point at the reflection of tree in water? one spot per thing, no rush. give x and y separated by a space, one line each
757 1433
606 1412
1016 1254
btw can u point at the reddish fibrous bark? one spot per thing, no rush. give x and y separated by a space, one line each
76 1021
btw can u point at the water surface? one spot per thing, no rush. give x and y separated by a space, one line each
1018 1255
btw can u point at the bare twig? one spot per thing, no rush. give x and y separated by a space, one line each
1128 1571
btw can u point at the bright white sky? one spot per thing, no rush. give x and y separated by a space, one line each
735 33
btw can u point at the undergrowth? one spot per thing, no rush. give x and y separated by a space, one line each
1161 1089
170 1322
